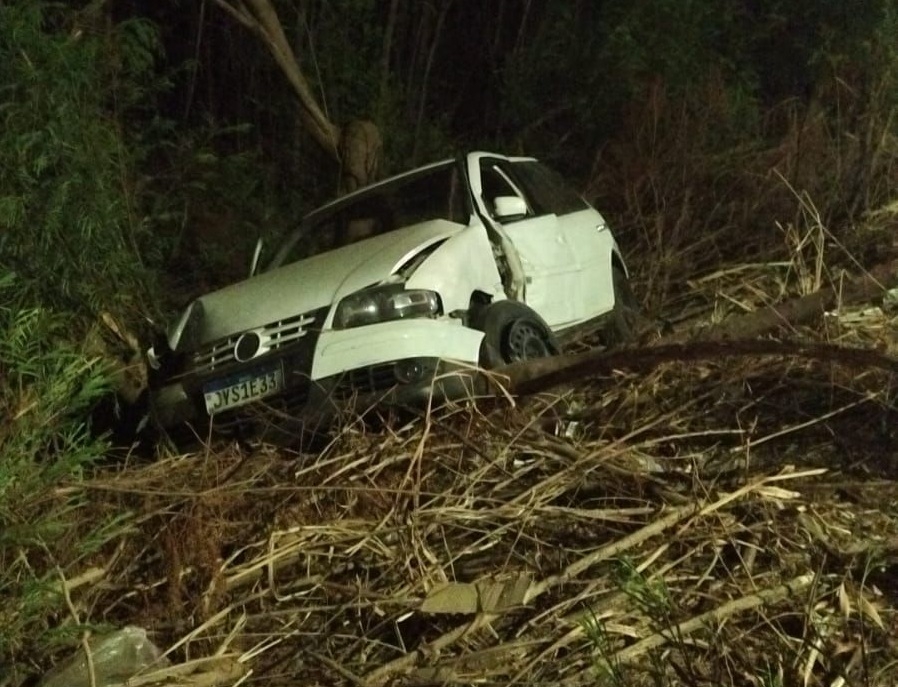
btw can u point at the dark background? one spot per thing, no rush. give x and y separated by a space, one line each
175 140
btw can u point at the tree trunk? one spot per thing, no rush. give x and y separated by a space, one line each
360 154
356 147
800 310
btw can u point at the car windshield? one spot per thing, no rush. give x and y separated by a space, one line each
435 192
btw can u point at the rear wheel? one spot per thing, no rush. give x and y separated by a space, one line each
623 321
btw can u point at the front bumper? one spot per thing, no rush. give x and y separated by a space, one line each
409 382
401 363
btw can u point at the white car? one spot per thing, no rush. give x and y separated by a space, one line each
398 292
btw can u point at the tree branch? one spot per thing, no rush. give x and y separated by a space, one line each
733 338
260 17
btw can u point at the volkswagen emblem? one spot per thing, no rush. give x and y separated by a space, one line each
247 346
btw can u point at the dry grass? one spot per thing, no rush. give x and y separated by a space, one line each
717 523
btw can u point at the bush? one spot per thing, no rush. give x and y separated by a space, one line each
67 216
48 390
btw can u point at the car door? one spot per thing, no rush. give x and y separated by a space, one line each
583 230
546 257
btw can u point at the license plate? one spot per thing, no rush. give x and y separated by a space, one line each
238 390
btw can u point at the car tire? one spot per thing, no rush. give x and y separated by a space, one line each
623 322
514 333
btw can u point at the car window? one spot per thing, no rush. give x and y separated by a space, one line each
547 190
436 193
495 183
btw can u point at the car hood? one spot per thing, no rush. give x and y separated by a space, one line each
303 286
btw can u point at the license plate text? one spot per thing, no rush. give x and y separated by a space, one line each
237 392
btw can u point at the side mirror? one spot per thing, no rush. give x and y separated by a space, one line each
509 207
257 253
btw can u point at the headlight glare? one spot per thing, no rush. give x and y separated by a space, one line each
385 303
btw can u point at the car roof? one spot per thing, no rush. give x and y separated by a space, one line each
350 198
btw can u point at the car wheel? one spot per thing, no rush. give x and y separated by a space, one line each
514 333
622 324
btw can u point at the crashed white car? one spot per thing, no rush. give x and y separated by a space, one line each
397 293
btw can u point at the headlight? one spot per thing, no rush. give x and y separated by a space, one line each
385 303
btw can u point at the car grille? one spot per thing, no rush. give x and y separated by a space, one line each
274 336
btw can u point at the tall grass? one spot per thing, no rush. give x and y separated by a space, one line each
47 390
68 222
710 180
70 248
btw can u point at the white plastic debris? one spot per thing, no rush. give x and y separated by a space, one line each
115 658
890 301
